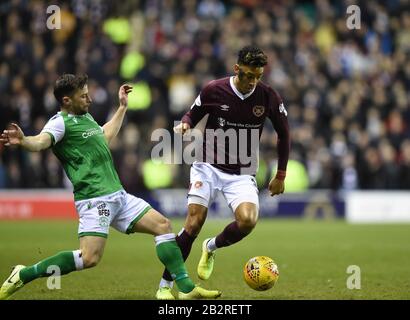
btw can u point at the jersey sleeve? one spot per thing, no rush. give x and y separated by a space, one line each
55 128
279 118
199 108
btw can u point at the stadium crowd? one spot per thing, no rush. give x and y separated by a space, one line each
346 90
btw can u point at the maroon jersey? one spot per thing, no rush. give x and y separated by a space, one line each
233 123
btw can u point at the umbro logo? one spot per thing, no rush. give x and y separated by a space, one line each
224 107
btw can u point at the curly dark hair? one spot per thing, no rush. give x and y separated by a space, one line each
252 56
67 84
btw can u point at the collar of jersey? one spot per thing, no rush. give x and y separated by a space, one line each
240 95
64 113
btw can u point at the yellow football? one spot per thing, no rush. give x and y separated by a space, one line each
260 273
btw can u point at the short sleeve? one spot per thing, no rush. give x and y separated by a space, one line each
56 128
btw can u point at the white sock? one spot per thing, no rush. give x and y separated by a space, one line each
166 283
164 238
78 259
211 246
180 232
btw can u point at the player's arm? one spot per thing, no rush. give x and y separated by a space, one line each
194 115
16 137
112 127
280 123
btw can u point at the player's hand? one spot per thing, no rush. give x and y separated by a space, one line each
182 128
123 95
276 186
12 136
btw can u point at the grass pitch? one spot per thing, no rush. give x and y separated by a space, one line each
312 256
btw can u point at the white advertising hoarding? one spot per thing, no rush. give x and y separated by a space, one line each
378 206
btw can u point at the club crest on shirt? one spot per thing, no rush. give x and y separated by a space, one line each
221 122
198 184
258 110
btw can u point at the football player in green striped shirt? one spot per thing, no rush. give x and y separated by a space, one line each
81 145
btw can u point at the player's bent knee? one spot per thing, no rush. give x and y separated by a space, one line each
165 226
246 215
247 222
90 260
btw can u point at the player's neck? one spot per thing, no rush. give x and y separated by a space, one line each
64 110
68 111
237 86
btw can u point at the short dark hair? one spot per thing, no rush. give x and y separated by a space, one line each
252 56
67 84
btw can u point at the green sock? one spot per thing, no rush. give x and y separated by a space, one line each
64 260
170 255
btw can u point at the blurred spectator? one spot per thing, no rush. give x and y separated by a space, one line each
349 173
390 167
404 172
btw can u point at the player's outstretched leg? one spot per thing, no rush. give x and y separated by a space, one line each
20 275
12 283
246 217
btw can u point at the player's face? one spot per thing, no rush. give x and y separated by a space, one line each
80 101
248 77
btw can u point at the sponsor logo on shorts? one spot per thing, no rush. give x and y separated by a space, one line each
102 210
258 110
